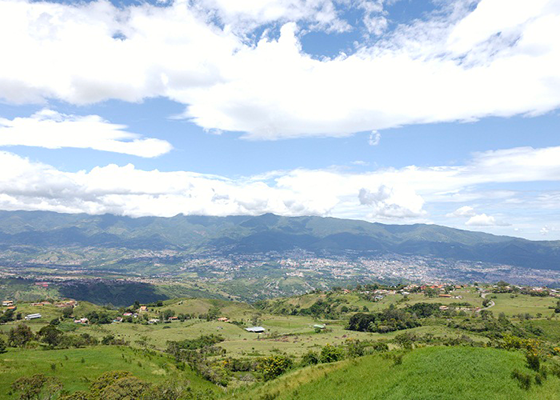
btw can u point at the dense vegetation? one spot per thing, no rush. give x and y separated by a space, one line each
191 348
247 235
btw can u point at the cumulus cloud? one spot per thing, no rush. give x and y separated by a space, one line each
465 211
53 130
484 220
383 194
456 64
246 15
392 202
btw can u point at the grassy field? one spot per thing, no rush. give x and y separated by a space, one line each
76 368
522 304
426 373
429 373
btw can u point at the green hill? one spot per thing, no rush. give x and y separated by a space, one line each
248 235
428 373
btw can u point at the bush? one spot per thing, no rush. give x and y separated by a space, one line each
523 379
309 358
20 336
331 353
533 361
274 366
397 359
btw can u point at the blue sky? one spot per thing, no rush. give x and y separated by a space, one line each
393 111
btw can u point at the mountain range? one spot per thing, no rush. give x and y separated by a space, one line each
269 232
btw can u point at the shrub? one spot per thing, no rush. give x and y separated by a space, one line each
331 353
274 366
397 359
523 379
533 361
20 336
310 358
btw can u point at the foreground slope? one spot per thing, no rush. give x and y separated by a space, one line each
425 374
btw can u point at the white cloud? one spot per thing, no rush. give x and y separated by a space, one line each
54 130
374 16
457 65
361 163
465 211
392 202
246 15
484 220
374 138
387 194
481 220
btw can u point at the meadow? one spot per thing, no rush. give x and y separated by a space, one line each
432 373
473 365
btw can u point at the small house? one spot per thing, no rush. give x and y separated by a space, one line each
7 303
32 316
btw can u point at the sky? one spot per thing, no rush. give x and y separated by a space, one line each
394 111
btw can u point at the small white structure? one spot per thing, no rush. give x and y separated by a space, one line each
33 316
256 329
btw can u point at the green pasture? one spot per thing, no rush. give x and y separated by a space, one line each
77 368
429 373
522 304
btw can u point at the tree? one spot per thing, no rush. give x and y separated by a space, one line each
430 292
20 336
3 347
107 379
37 386
50 335
129 387
67 312
166 314
7 316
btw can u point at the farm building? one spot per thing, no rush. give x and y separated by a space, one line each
33 316
256 329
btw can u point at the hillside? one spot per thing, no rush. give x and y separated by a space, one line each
417 346
466 373
268 233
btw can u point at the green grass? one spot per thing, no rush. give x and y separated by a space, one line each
522 304
77 375
428 373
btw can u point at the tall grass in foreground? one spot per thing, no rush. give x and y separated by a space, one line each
429 373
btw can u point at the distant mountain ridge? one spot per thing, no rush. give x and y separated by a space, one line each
269 232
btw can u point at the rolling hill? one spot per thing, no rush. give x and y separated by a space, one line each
266 233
